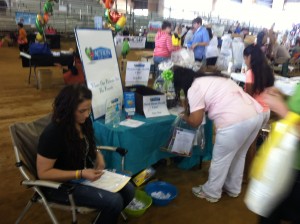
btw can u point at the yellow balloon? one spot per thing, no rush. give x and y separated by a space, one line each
40 19
122 21
39 37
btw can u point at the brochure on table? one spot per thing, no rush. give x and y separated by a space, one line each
155 106
98 55
137 73
111 109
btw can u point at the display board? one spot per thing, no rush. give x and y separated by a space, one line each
98 56
26 18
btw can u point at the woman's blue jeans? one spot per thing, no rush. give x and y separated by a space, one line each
110 204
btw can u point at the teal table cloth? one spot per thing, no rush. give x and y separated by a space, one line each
144 143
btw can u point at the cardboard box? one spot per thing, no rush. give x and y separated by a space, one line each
140 92
44 78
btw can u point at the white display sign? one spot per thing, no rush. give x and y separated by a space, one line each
135 42
155 106
98 55
137 73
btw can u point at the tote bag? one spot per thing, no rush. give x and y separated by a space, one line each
272 173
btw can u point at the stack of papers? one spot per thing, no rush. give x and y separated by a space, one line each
109 181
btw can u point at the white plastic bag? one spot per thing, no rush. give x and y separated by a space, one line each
183 57
225 54
238 47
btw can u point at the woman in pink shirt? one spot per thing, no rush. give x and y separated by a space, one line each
238 119
163 45
259 76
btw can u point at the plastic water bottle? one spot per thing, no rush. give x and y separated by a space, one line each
116 118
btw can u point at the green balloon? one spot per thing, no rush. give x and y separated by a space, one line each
106 15
48 7
39 26
118 28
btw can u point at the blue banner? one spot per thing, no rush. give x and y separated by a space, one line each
26 18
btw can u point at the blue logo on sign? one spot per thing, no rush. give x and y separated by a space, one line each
139 65
99 53
154 99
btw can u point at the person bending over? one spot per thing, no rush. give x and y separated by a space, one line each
238 119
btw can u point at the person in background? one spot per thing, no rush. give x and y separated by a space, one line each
176 37
22 38
200 39
125 47
212 51
296 49
259 76
163 45
238 28
188 37
125 32
263 41
244 32
286 43
145 32
238 119
67 153
183 30
74 73
288 209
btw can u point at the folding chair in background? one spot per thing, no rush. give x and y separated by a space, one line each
25 137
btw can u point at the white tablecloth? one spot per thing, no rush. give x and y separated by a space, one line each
286 85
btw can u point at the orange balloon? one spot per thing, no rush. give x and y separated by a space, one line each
46 17
108 3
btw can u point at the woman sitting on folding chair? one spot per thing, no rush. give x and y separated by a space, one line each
67 151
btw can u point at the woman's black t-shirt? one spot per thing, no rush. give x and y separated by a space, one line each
53 145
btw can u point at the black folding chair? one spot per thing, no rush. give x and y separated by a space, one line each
25 137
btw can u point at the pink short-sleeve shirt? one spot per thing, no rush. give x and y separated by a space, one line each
225 102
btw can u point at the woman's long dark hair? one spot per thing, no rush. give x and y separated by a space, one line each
64 108
263 74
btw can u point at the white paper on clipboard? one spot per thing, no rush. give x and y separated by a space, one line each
183 141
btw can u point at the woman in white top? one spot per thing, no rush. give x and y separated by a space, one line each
212 51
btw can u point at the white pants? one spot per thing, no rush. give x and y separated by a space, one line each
229 153
266 118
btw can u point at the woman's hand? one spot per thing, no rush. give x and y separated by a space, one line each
91 174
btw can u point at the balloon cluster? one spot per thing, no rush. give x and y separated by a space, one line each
115 20
41 21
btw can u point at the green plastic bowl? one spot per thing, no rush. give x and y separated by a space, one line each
143 197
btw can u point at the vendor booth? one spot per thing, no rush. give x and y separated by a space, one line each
145 141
